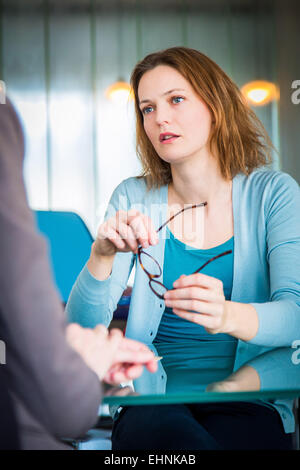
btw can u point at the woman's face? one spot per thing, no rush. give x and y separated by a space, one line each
176 120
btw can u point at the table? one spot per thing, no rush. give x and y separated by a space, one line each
189 373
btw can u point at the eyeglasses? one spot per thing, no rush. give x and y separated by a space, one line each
152 267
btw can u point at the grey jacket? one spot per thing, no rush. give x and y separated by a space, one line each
54 393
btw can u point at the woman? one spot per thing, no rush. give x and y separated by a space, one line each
202 149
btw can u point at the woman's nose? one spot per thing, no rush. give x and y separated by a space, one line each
163 115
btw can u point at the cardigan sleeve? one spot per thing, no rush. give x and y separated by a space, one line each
277 369
279 319
92 301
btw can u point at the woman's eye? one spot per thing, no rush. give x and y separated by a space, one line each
177 99
147 110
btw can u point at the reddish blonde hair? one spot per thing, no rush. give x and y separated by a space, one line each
238 138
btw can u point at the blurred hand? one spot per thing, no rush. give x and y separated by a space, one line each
244 379
110 355
118 391
129 361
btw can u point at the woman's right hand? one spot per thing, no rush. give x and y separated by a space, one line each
124 232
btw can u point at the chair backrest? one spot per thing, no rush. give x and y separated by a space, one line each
69 246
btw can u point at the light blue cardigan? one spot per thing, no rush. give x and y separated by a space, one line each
266 210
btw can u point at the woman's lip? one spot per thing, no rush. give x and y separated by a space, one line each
169 141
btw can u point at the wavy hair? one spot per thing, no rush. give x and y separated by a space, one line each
238 138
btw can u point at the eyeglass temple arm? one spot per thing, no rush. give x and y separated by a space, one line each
212 259
179 212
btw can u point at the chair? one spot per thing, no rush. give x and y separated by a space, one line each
69 244
69 249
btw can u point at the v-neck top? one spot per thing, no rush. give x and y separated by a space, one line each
183 259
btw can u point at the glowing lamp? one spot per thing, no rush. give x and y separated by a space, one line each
260 92
119 92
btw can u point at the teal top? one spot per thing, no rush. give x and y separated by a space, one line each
266 267
182 259
217 351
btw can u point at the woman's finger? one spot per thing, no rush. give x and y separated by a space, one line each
137 224
194 305
126 234
127 230
198 279
194 292
143 228
153 236
107 232
207 321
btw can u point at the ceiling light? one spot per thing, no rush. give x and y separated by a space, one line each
119 92
260 92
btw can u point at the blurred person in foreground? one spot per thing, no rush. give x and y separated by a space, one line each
53 371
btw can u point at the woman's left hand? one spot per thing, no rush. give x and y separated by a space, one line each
200 299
